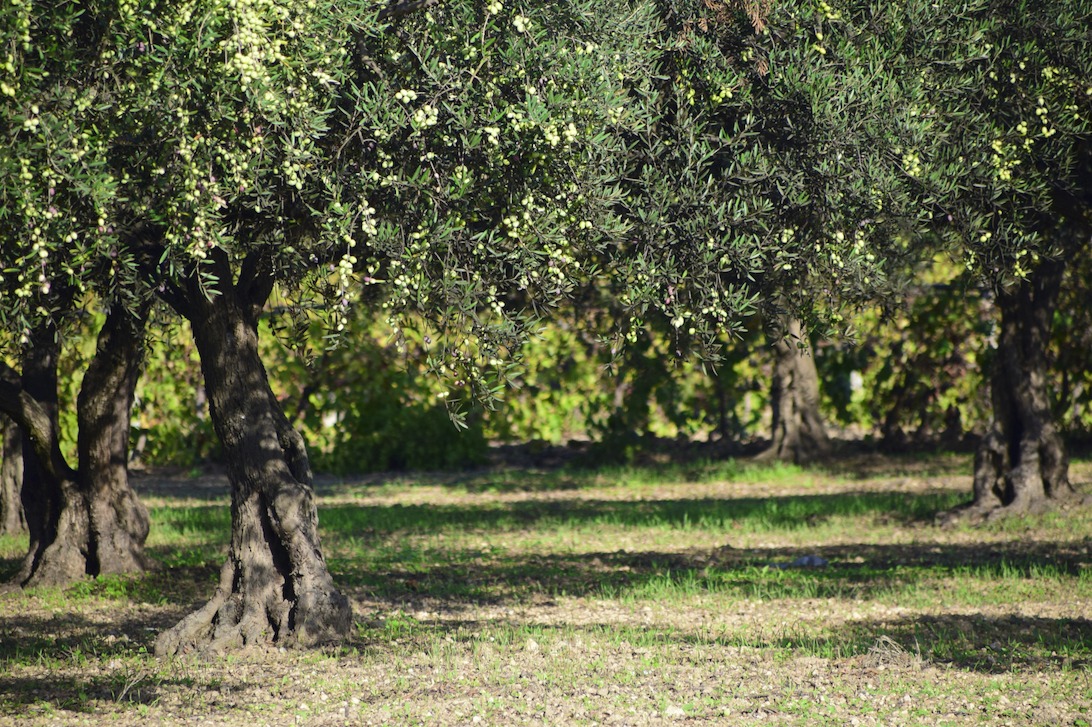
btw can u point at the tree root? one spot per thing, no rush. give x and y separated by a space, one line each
249 611
979 513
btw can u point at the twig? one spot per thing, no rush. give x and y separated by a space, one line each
398 10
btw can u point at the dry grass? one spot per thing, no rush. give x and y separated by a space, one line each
622 597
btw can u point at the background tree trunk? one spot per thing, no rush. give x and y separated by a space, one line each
11 478
118 519
799 434
55 510
1021 465
275 586
89 521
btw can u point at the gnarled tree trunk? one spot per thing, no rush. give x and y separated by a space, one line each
798 431
275 586
118 519
86 521
11 478
1021 465
55 511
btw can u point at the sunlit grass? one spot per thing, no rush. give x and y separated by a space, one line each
13 546
628 477
706 513
481 547
598 585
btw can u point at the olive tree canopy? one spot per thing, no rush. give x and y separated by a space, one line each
449 163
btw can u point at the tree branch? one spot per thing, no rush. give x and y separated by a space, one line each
147 240
401 9
34 420
256 280
173 296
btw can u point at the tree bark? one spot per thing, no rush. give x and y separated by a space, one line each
1021 466
12 521
799 434
55 511
86 521
118 519
275 586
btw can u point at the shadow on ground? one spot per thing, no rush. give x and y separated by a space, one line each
70 662
468 578
78 693
553 468
372 558
721 514
206 527
76 637
853 571
970 642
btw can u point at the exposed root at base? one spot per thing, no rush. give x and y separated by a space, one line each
974 513
234 620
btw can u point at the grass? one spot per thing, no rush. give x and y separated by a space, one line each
578 596
752 515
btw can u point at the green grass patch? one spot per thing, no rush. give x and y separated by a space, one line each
580 596
582 476
712 514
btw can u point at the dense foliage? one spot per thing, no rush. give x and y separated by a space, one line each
769 178
1011 163
659 177
769 153
404 192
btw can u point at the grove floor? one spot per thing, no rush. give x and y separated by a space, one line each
627 596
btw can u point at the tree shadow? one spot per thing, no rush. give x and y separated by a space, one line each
79 694
463 579
782 513
871 464
990 644
969 642
368 550
8 568
382 565
77 662
558 468
72 637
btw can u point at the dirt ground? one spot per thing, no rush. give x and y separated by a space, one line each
1017 655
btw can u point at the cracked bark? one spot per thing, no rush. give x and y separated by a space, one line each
118 519
275 586
86 521
11 478
799 434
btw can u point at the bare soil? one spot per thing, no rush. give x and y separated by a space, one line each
881 651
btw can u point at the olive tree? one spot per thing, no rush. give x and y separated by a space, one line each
777 179
450 162
60 255
803 151
1012 167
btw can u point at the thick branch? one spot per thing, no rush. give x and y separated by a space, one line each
147 240
34 420
401 9
256 281
173 296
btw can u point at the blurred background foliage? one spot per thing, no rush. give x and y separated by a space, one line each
912 377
